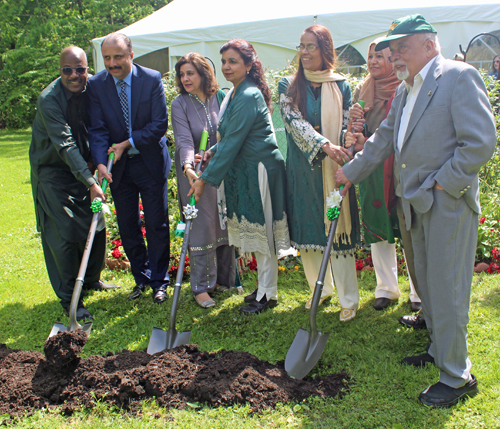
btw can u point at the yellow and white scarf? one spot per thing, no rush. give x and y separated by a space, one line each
331 128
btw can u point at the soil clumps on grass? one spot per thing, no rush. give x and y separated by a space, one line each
62 349
30 381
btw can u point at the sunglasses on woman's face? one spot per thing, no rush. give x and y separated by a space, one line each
68 71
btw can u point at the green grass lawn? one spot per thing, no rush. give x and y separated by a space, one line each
383 394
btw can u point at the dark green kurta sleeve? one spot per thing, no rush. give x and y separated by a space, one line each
237 123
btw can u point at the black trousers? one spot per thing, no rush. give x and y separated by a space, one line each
63 259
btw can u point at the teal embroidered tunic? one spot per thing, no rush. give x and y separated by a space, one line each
247 139
305 202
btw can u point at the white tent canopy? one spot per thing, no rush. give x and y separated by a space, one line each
274 28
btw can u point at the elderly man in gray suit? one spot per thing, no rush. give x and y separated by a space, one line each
442 131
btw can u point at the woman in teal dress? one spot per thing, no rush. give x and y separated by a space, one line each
247 163
314 104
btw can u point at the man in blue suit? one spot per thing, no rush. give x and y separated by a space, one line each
128 116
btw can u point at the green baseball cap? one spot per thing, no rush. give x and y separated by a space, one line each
406 26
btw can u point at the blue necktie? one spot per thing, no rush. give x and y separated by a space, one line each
124 103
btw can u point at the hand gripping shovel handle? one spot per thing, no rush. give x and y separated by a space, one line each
171 333
86 254
111 159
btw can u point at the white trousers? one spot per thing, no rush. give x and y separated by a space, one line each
267 265
386 271
344 273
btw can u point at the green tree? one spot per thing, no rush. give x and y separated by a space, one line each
35 31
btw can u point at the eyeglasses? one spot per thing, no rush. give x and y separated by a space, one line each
68 71
309 48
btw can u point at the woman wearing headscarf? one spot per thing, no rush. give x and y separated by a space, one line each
314 105
378 216
249 164
195 110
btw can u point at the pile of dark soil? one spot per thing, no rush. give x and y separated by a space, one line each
29 380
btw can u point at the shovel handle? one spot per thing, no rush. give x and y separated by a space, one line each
184 250
111 158
203 147
324 263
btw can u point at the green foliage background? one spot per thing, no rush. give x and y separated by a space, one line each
33 32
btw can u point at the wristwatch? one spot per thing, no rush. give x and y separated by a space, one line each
186 168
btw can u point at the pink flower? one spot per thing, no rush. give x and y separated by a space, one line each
117 243
144 232
482 219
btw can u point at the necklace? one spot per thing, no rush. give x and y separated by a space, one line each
205 107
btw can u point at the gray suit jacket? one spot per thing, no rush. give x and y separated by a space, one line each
450 135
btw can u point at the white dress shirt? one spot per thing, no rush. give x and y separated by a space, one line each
413 91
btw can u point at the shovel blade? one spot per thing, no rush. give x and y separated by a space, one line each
159 338
60 327
304 353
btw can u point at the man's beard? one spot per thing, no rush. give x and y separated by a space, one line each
403 75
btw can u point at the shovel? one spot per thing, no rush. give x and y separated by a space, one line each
307 347
96 208
164 340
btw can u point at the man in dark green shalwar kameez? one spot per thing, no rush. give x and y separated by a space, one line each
62 181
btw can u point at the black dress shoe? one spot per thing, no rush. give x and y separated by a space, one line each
419 360
160 294
81 312
257 307
415 322
136 292
441 395
381 303
100 285
252 297
415 306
